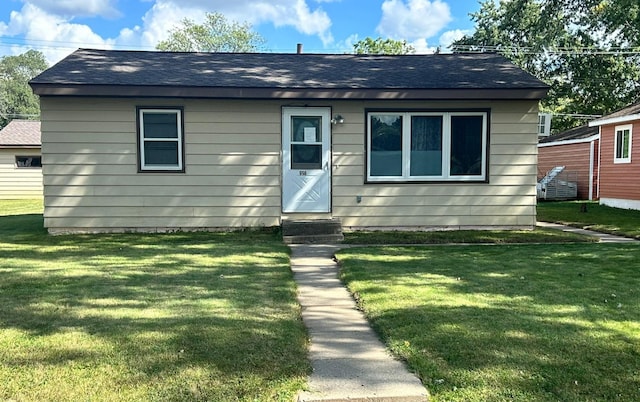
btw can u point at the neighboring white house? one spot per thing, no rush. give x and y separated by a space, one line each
20 160
158 141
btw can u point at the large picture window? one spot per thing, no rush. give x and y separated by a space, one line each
622 146
426 146
160 139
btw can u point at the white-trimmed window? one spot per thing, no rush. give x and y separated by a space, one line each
622 144
426 146
160 138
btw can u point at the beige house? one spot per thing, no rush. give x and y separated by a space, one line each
20 160
158 141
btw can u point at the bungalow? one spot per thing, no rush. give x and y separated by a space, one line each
578 150
20 160
155 141
620 158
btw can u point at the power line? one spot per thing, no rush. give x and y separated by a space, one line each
570 51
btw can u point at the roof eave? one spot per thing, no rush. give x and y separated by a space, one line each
5 146
286 93
614 120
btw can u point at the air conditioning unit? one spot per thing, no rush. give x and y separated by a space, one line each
544 124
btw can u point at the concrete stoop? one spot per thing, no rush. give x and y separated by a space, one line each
318 231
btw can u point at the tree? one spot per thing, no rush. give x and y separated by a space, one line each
382 46
16 97
215 34
579 47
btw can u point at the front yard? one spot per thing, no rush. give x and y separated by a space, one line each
183 317
510 322
212 316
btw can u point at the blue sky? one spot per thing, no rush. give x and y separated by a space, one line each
57 27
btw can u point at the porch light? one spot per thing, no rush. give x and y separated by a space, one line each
337 119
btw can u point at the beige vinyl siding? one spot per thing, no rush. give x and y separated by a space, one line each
19 183
92 183
508 200
233 171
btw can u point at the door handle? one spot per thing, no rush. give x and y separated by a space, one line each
326 165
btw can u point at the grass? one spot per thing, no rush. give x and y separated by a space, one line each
509 322
146 317
597 217
539 235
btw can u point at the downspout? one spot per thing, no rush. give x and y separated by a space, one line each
599 160
591 156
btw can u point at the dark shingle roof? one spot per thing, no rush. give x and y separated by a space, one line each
21 133
87 67
575 133
632 111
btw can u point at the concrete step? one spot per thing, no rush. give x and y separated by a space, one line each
312 231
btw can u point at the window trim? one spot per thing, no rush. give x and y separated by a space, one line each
617 129
446 177
17 165
142 167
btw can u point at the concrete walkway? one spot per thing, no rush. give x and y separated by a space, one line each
604 237
349 362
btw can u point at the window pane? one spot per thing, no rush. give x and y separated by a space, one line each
466 145
163 153
28 161
386 145
426 146
306 129
306 156
160 125
622 144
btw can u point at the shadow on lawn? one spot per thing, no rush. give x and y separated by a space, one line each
543 326
222 305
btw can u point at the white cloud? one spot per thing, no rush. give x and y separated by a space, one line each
78 8
422 47
41 28
48 24
294 13
447 38
413 20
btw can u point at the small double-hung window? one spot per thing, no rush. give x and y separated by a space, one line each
622 145
426 146
161 139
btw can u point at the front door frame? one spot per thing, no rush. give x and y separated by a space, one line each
306 190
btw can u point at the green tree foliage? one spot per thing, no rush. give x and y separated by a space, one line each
16 97
382 46
215 34
579 47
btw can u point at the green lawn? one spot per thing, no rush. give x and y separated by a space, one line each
508 322
142 317
597 217
539 235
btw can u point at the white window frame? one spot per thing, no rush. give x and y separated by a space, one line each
179 167
446 175
616 130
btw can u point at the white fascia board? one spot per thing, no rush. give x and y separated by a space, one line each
567 142
615 120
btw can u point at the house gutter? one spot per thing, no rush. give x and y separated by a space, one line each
614 120
287 93
567 142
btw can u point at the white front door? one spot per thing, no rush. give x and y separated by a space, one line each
306 159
